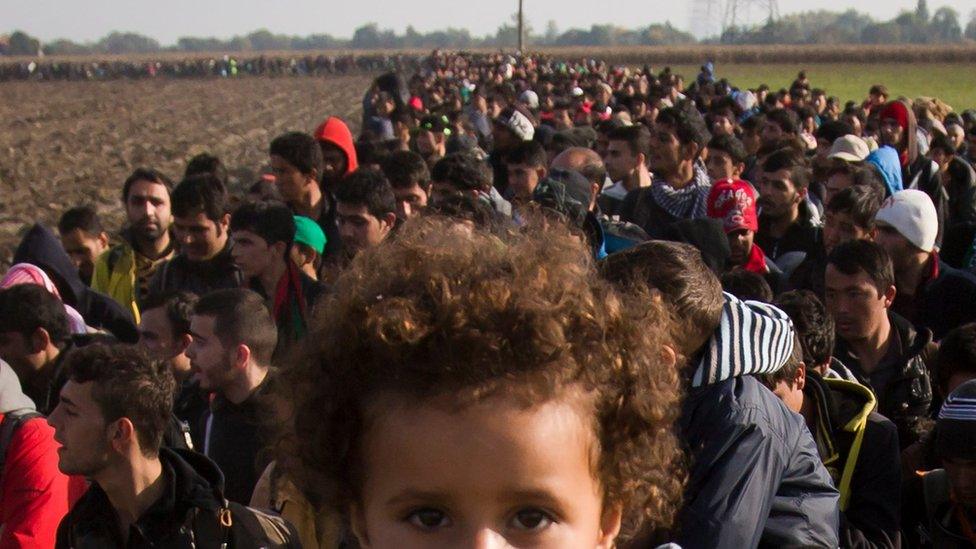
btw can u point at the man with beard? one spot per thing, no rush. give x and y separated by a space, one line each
233 337
681 185
431 139
124 271
787 232
201 222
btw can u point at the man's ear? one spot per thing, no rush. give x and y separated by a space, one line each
642 159
873 234
183 342
542 172
242 355
224 222
103 239
389 220
280 249
312 177
122 434
889 296
39 340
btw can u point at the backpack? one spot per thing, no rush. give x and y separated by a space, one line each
12 421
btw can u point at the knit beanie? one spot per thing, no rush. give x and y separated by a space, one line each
956 428
912 214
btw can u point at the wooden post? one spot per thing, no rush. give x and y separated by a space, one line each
520 34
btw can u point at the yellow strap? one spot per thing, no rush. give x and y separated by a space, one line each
845 479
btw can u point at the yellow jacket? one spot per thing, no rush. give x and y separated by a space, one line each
115 276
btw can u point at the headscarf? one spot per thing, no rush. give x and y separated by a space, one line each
25 273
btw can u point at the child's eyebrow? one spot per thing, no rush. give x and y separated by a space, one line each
413 495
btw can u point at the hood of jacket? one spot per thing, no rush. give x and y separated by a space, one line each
197 481
12 396
886 160
902 112
333 130
40 247
752 338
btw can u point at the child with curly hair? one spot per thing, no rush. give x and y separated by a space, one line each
460 387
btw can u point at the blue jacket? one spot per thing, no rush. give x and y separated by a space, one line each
886 160
756 476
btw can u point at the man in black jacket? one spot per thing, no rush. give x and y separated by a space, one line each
931 294
884 351
205 263
110 424
756 477
787 232
233 340
858 446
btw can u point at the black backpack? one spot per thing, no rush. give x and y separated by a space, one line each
12 421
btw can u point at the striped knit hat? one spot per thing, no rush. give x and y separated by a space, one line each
752 338
956 429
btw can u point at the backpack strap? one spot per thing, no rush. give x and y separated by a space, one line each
12 421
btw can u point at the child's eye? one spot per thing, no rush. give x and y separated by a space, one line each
532 520
428 518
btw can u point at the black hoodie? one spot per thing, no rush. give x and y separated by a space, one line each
188 514
41 248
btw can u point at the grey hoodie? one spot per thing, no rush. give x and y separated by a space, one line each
12 397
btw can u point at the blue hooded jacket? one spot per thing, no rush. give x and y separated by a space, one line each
889 164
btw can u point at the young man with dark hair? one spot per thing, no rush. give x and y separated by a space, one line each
779 124
111 419
206 163
83 238
34 339
527 166
410 178
755 474
164 332
366 210
124 271
931 294
234 338
726 158
681 184
849 216
201 224
858 446
264 233
465 173
787 232
884 351
626 162
296 162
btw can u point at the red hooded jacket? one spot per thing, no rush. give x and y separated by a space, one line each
334 130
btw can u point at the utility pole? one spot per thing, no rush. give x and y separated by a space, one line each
520 35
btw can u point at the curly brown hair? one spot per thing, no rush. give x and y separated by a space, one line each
440 311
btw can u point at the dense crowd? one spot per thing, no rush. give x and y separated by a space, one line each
203 66
532 304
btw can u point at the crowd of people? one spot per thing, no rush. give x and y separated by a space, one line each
204 66
532 304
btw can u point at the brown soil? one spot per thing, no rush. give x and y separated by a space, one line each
64 144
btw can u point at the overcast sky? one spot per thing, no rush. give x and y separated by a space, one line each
167 20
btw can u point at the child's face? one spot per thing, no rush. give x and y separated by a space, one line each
720 166
491 474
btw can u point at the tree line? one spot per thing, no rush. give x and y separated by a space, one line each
813 27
